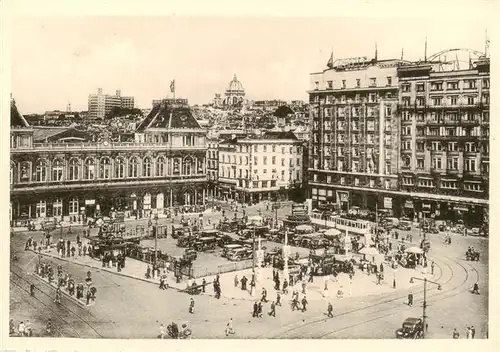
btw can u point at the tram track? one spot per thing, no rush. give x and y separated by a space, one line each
23 283
380 306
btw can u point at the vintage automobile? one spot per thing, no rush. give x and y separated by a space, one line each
190 255
472 255
240 254
229 248
404 225
178 230
412 329
186 241
205 243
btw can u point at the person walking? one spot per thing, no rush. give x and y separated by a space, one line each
264 295
58 296
163 331
475 289
21 329
236 280
203 284
191 306
304 304
473 331
285 287
278 299
229 327
432 268
255 310
330 311
456 334
272 313
410 299
468 333
295 303
259 310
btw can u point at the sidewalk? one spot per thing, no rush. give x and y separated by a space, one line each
361 285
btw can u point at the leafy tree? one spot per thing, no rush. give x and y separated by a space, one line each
283 111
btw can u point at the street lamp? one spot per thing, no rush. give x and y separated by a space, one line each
424 305
156 239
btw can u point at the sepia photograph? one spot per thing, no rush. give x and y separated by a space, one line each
181 177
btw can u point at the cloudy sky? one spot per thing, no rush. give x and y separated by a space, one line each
60 59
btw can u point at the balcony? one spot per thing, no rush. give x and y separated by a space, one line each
103 146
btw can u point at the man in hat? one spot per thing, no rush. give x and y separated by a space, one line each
304 304
272 313
330 311
410 299
191 306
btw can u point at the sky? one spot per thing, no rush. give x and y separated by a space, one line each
56 60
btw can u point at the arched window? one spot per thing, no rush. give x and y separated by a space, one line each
57 170
89 169
105 168
57 207
74 165
133 167
119 168
147 201
41 170
146 167
187 166
176 170
160 166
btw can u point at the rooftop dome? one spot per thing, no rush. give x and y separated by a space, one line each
235 85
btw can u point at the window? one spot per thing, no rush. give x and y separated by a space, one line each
73 206
405 88
265 148
486 82
407 181
342 180
283 175
406 101
328 179
330 84
119 168
265 160
406 145
273 160
358 83
452 86
420 146
372 183
449 184
470 147
426 183
473 187
343 84
160 166
255 149
246 160
436 146
282 161
406 130
73 169
437 101
57 207
452 163
255 184
274 149
356 181
452 146
406 161
57 170
405 116
420 101
89 169
372 98
437 163
437 86
41 209
255 160
420 87
105 168
282 150
373 82
133 168
470 165
453 100
389 81
316 85
41 171
420 163
470 84
471 100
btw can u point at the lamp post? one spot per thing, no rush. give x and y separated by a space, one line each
424 305
156 239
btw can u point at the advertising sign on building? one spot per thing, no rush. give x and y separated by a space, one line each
387 202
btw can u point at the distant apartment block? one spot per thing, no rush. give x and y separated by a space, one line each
100 104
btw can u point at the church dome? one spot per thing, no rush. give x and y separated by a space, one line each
235 85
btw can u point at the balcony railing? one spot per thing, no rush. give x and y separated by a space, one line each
119 146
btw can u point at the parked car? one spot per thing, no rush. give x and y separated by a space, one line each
240 254
404 225
229 248
412 328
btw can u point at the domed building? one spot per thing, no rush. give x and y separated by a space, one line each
235 93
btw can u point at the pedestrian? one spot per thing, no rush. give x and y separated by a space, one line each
278 299
229 327
259 310
295 303
58 296
456 334
21 329
264 295
311 277
272 313
432 268
162 331
304 288
475 288
285 287
304 304
162 283
12 328
277 283
191 306
473 331
410 299
468 333
330 311
235 280
203 284
255 309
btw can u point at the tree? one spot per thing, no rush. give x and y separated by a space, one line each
283 111
119 111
